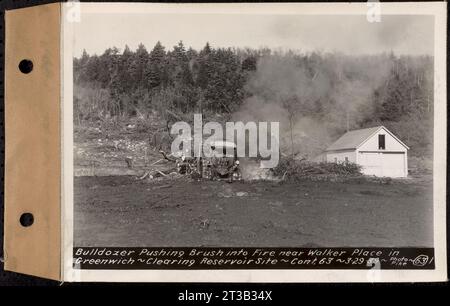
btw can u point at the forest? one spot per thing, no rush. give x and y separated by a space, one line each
315 96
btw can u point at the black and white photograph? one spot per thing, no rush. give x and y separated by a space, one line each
214 128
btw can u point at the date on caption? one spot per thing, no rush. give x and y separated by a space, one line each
226 295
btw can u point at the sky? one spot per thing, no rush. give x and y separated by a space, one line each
349 34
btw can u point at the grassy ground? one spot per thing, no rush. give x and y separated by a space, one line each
122 211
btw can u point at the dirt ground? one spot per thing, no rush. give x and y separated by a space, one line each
113 208
124 211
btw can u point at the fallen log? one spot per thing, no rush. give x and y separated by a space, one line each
174 115
144 175
159 160
166 156
153 172
162 187
162 173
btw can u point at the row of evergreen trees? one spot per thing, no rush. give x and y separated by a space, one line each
212 79
340 92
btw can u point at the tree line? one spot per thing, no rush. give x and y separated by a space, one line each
341 91
182 79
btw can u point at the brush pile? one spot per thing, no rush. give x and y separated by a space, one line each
296 170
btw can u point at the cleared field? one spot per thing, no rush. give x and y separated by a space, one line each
123 211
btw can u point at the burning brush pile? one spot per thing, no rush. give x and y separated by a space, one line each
291 169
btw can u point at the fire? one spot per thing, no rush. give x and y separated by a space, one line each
251 170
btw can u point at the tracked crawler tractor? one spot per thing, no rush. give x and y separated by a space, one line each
222 163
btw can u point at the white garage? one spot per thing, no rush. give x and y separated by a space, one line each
376 149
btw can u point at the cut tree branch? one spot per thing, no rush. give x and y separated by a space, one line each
166 156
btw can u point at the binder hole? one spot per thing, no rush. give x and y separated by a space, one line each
26 66
26 219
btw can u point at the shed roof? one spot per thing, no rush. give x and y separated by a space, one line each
353 139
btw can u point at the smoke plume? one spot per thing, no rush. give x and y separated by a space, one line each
315 97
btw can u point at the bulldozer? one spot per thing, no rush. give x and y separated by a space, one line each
221 164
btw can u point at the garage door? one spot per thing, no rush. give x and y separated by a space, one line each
393 164
382 164
371 163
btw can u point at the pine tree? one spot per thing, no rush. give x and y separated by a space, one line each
137 66
249 63
225 80
204 66
181 72
155 70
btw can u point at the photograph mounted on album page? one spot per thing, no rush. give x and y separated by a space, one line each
250 142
